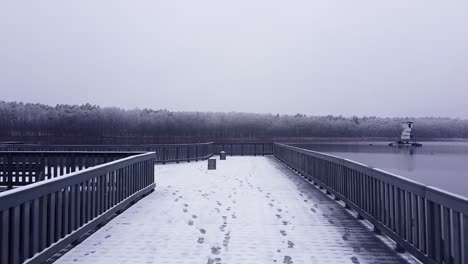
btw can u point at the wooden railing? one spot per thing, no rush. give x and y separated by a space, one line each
164 152
40 219
18 168
24 164
245 149
428 222
46 212
183 152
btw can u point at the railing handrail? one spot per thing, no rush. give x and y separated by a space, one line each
14 197
423 190
70 152
238 142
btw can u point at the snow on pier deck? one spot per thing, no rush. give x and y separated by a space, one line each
249 210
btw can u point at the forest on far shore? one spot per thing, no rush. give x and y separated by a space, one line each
92 124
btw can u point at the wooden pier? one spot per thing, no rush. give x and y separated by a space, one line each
287 205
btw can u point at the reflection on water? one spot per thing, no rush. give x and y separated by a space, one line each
440 164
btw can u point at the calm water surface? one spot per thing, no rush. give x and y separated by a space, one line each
440 164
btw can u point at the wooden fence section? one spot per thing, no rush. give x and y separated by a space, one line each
183 152
24 164
164 152
40 219
20 168
49 212
429 223
245 149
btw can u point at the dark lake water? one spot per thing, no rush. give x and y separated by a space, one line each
440 164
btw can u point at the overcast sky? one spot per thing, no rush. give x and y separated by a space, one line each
383 58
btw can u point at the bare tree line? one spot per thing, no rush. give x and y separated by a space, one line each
91 124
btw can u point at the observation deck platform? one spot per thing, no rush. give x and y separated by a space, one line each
250 210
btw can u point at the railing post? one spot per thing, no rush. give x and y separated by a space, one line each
177 154
4 241
434 231
465 238
15 235
9 171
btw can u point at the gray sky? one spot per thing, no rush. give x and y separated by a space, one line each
313 57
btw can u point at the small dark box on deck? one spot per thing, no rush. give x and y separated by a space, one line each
222 155
211 164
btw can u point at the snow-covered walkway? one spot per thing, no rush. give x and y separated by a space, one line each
250 210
